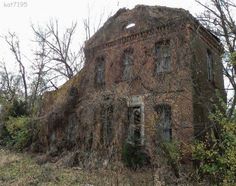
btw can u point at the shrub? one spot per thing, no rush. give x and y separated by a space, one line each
14 108
170 150
134 156
17 108
19 131
216 156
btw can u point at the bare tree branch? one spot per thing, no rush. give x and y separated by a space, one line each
219 18
14 44
59 48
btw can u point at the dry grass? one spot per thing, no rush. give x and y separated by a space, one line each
20 169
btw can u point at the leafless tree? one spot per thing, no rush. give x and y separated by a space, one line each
58 48
219 18
13 42
39 82
53 59
9 83
92 24
35 80
89 29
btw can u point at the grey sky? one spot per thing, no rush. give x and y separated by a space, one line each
17 16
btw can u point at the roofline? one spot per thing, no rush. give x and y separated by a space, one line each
188 19
197 27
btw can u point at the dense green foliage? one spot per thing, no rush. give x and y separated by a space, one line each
172 153
216 155
17 127
19 132
16 108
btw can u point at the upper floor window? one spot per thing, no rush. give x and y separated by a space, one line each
127 64
163 56
100 71
209 65
163 122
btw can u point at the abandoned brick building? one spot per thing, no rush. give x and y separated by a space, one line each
150 75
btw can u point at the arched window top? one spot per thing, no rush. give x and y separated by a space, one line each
129 50
164 106
100 59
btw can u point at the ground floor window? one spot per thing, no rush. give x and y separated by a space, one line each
163 122
106 124
135 123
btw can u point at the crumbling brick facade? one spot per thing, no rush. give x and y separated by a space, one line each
149 76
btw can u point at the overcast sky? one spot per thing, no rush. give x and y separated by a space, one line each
17 16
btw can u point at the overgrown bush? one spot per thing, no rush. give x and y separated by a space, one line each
17 128
134 156
19 132
171 151
216 155
17 108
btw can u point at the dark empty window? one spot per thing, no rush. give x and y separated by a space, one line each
135 134
163 56
164 122
106 121
127 64
209 65
100 71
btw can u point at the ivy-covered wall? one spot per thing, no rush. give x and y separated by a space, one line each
91 117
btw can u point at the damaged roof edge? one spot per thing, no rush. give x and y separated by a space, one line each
137 8
151 10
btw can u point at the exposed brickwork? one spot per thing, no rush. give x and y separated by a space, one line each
74 116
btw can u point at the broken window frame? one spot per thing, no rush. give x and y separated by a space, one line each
100 71
164 122
134 103
135 122
127 62
210 65
163 56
